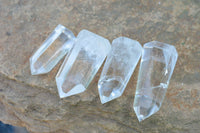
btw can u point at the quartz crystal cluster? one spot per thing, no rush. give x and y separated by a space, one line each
156 68
85 55
119 66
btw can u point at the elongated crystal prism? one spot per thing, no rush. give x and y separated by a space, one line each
156 68
54 48
118 68
84 61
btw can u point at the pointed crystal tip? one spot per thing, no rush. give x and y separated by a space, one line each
139 116
144 107
110 88
35 71
113 95
63 92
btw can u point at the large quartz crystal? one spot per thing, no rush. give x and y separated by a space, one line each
56 46
119 66
156 68
84 61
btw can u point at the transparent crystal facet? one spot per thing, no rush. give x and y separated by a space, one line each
80 67
156 68
54 48
118 68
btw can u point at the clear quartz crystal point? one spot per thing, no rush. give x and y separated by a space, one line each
54 48
156 68
119 66
80 67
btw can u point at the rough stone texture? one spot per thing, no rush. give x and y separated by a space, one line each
33 101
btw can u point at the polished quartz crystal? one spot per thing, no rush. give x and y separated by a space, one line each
119 66
54 48
84 61
156 68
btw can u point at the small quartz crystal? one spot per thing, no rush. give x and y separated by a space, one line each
84 61
119 66
54 48
156 68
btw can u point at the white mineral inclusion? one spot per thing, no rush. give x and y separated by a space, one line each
156 68
80 67
54 48
119 66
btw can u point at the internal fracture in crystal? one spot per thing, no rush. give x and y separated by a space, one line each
118 68
84 61
156 68
54 48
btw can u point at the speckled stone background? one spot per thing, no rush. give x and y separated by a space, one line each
33 101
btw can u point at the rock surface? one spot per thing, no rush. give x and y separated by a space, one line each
33 101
